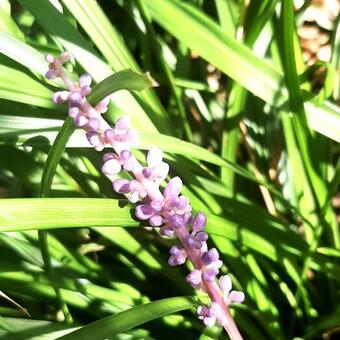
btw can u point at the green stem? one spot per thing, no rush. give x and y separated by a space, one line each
52 162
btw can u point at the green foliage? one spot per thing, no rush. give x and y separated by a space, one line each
239 121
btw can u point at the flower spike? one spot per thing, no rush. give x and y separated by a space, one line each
170 211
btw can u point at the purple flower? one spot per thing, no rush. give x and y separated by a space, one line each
230 296
96 140
113 163
176 210
195 278
157 170
102 106
134 189
207 315
178 256
212 263
198 237
54 64
121 132
60 97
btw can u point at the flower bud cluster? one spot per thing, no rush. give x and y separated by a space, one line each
166 209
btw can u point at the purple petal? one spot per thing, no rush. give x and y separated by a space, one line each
94 138
85 80
75 97
109 135
203 310
131 137
199 222
121 186
183 203
175 250
201 236
73 111
108 156
177 259
111 167
210 256
125 155
85 91
135 185
191 242
166 231
160 171
147 172
225 284
134 197
93 124
173 188
176 221
209 321
209 274
49 58
60 97
154 157
194 278
123 123
156 205
156 221
80 120
101 107
236 296
51 74
144 211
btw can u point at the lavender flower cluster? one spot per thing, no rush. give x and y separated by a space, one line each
167 209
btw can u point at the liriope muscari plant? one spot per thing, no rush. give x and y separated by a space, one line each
168 210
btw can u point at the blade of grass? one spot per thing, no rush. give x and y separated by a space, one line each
133 317
44 213
121 80
201 34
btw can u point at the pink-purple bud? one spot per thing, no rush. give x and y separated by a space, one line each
51 74
156 205
123 123
93 124
107 156
144 211
121 186
174 187
147 172
176 221
75 97
194 278
210 256
85 91
49 58
109 135
178 256
111 167
199 222
156 221
73 111
85 80
125 155
80 120
207 315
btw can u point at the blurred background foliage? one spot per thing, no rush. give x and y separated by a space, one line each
247 114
